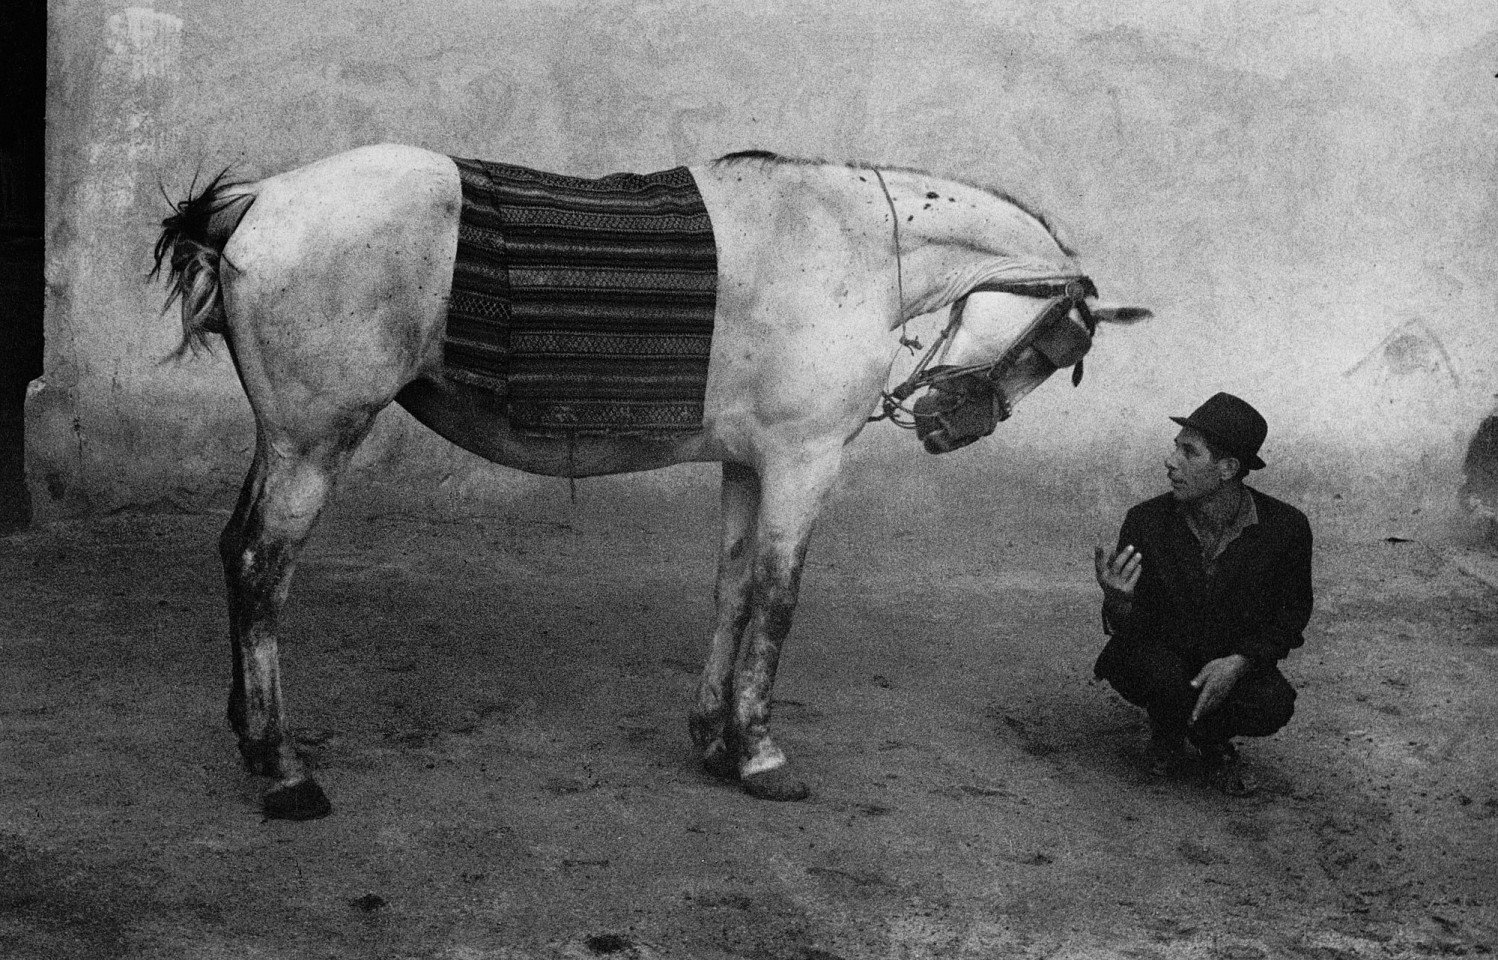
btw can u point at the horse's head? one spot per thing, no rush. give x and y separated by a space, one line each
1001 342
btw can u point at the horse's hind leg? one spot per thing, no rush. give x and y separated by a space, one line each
230 544
283 495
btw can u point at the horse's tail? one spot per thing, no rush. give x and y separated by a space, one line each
192 241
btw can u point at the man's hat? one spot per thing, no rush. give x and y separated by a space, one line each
1232 425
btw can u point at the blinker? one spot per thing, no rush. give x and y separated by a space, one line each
1061 336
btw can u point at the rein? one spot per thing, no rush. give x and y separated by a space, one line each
894 217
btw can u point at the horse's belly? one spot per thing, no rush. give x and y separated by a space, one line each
476 420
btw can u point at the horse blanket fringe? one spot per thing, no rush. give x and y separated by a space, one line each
586 304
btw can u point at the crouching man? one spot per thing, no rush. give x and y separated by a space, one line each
1209 587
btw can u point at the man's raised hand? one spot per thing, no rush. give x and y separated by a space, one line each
1117 571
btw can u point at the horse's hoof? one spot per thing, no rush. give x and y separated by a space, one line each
718 760
303 800
778 784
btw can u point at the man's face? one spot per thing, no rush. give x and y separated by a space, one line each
1192 471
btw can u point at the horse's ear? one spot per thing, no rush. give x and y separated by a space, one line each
1113 313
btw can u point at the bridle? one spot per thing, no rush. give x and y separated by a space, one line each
1058 339
1044 334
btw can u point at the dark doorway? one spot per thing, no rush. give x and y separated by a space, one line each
23 84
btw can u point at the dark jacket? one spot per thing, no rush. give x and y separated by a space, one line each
1257 602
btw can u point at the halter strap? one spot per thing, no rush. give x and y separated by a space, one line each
1072 288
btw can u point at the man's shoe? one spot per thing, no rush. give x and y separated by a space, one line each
1166 754
1220 769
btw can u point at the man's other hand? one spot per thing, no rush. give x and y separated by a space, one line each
1117 572
1216 681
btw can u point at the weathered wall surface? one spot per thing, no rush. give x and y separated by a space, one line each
1303 191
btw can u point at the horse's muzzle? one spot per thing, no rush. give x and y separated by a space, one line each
958 412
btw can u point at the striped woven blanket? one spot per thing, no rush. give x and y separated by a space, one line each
587 304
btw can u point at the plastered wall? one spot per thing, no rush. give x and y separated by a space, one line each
1302 190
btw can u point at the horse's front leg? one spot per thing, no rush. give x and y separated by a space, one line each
791 498
711 716
281 500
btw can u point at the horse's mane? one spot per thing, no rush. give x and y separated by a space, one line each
770 157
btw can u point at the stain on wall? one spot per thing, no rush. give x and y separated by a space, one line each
1303 193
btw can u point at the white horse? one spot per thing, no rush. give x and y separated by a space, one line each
330 284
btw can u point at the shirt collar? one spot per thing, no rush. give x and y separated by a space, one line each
1247 516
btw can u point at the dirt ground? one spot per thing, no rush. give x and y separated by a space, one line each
497 709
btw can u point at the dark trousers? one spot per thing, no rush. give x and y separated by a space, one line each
1159 680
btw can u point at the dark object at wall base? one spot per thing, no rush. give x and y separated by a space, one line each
1479 493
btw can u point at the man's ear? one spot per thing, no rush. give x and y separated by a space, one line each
1228 467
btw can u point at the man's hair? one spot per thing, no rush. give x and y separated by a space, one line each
1219 452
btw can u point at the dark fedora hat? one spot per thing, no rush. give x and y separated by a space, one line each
1232 425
